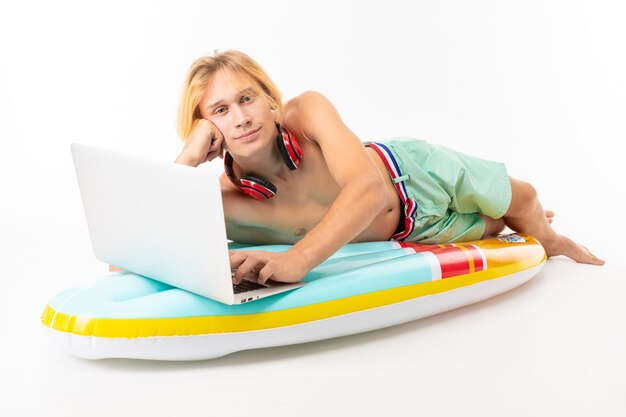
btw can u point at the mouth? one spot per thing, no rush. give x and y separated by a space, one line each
249 134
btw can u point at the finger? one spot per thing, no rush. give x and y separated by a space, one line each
210 156
266 273
248 266
214 150
243 262
220 142
216 145
237 257
218 134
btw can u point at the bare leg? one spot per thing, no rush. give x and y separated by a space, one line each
525 215
492 226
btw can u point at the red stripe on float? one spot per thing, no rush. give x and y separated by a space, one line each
453 261
477 257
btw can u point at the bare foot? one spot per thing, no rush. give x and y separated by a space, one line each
566 246
549 216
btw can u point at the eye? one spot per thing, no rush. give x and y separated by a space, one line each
247 99
220 110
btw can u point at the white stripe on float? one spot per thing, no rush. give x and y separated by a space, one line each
435 266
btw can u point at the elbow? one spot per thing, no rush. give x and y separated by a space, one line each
378 193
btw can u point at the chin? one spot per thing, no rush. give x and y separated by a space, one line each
245 150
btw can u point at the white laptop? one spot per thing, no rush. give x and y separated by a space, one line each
161 220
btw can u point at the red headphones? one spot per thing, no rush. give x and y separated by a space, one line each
259 188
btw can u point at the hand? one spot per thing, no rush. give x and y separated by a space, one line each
287 266
204 143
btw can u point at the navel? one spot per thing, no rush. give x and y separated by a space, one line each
300 232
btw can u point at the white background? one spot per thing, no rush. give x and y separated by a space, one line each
536 84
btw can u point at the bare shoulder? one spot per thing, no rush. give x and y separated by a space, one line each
310 112
305 100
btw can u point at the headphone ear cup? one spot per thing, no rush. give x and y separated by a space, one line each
289 148
257 188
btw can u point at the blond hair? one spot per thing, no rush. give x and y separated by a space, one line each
200 74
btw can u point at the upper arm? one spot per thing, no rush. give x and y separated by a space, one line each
343 152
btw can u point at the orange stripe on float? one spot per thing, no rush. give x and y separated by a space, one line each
470 258
477 256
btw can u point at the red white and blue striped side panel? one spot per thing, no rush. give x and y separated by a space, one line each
410 205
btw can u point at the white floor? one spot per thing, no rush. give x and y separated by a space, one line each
538 85
556 345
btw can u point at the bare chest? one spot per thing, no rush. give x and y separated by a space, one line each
299 206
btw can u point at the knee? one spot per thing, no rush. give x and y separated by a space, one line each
527 191
523 197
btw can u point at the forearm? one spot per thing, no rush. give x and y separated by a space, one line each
354 209
186 159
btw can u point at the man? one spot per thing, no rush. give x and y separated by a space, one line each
321 188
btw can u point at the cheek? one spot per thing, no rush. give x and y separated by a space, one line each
264 113
221 123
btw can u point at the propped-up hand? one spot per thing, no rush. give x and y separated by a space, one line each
205 142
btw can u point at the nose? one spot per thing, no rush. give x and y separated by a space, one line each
242 118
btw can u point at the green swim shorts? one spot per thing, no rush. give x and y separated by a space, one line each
443 191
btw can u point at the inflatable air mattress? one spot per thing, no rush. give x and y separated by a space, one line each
362 287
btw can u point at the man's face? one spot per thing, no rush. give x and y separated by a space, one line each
235 106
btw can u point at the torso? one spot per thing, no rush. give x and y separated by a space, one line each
300 203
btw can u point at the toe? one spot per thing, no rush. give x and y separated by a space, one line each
595 260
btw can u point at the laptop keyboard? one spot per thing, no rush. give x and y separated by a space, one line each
245 286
